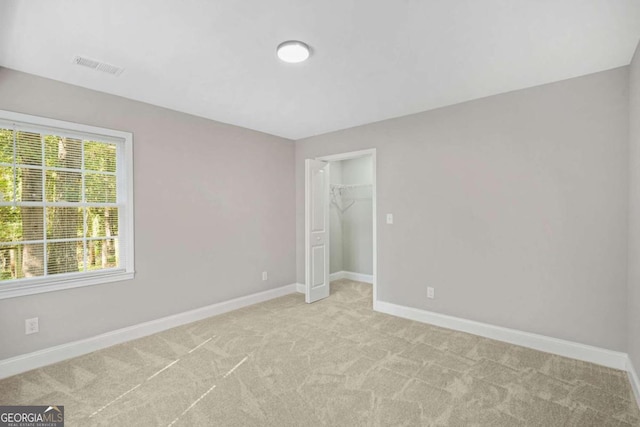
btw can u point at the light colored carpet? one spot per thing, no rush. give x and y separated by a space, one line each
335 362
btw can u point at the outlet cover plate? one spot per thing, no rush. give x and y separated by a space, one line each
31 326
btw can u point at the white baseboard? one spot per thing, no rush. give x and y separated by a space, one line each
359 277
366 278
37 359
600 356
336 276
634 379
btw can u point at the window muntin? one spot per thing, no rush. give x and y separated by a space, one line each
65 201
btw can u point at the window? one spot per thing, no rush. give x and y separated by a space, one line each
66 205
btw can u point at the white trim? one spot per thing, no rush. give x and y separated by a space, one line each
23 289
374 201
127 250
337 275
307 226
300 287
634 380
600 356
25 120
347 156
358 277
124 180
37 359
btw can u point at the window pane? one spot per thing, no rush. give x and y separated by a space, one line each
29 224
64 257
21 223
63 186
100 188
99 156
64 223
28 260
19 261
29 183
6 146
62 152
11 230
6 184
7 263
29 148
102 254
102 222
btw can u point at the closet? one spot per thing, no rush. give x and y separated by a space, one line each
351 219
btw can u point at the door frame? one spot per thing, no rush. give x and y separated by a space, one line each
354 155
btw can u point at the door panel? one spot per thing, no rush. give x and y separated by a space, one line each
316 230
317 206
318 266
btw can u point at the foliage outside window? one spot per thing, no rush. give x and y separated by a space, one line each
64 207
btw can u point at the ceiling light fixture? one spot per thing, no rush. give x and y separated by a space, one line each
293 51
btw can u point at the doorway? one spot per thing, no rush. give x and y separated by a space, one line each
340 221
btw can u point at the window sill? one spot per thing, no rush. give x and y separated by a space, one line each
22 289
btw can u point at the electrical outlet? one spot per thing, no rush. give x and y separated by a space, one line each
431 293
31 326
389 218
264 275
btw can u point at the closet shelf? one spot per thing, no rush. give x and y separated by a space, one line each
349 185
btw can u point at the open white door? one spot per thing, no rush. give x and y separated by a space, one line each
316 230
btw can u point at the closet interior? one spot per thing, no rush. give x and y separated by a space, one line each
351 219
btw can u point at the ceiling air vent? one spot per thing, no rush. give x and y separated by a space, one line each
97 65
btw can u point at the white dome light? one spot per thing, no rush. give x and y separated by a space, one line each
293 51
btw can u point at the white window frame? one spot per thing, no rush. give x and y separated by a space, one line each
124 178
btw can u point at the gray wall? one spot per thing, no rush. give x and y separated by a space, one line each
357 222
214 207
634 211
514 207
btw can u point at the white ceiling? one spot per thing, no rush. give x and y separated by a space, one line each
372 59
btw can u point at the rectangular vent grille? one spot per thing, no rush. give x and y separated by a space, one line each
97 65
